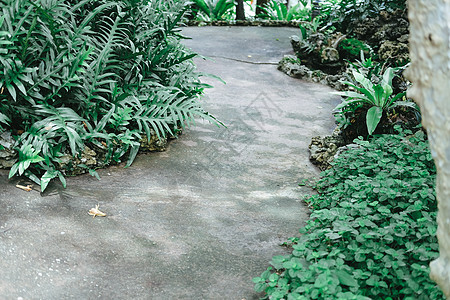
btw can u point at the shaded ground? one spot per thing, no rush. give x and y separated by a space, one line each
195 222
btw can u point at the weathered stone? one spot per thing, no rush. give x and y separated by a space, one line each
292 66
430 75
323 149
155 143
93 159
8 156
88 157
404 38
318 39
387 26
296 43
329 55
342 149
393 51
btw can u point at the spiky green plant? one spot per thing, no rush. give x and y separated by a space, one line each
276 10
211 10
92 73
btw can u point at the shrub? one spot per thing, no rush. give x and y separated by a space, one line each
101 74
351 48
372 232
342 13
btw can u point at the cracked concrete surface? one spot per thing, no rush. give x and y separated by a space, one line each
195 222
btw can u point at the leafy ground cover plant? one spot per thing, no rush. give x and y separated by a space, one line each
97 74
372 232
376 99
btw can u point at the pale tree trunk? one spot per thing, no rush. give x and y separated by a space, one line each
430 75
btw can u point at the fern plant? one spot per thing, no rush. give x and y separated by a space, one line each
104 74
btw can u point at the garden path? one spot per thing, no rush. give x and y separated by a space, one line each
195 222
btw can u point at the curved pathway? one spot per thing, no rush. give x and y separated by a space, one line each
195 222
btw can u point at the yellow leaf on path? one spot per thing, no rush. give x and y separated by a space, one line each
96 212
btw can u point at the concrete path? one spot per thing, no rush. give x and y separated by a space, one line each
195 222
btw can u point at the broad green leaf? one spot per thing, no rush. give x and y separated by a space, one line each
13 170
62 179
346 279
406 104
4 119
378 96
373 118
366 83
133 152
387 77
352 101
11 90
46 178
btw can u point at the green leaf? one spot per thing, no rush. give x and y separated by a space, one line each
14 170
133 152
360 257
346 279
62 179
378 96
11 90
46 178
321 281
373 118
273 277
94 174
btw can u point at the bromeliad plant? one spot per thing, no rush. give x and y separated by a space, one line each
377 97
98 74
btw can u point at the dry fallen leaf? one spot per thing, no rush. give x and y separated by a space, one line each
25 188
96 212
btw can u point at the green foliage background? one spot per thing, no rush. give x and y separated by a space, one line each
97 73
342 13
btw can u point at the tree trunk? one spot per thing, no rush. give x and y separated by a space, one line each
259 4
315 9
240 11
430 74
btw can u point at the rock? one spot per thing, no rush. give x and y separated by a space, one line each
8 156
386 27
323 149
404 38
318 39
342 149
296 43
329 55
394 51
155 144
88 157
292 66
